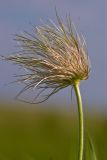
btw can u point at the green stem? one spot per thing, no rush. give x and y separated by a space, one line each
81 121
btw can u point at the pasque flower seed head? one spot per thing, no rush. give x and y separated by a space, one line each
55 55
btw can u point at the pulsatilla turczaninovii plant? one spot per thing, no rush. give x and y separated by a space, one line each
56 57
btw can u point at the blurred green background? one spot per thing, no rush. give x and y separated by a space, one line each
33 133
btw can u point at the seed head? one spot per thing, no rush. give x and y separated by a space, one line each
54 55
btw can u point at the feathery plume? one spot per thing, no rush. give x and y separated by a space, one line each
55 55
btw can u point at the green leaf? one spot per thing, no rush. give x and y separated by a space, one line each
91 146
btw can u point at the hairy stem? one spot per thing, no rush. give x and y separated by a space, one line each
81 121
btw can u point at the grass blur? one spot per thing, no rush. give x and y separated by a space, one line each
31 134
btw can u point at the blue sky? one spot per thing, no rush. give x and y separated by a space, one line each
89 16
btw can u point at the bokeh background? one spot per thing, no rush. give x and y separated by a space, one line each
49 131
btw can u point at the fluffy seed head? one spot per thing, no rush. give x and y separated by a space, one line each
55 56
